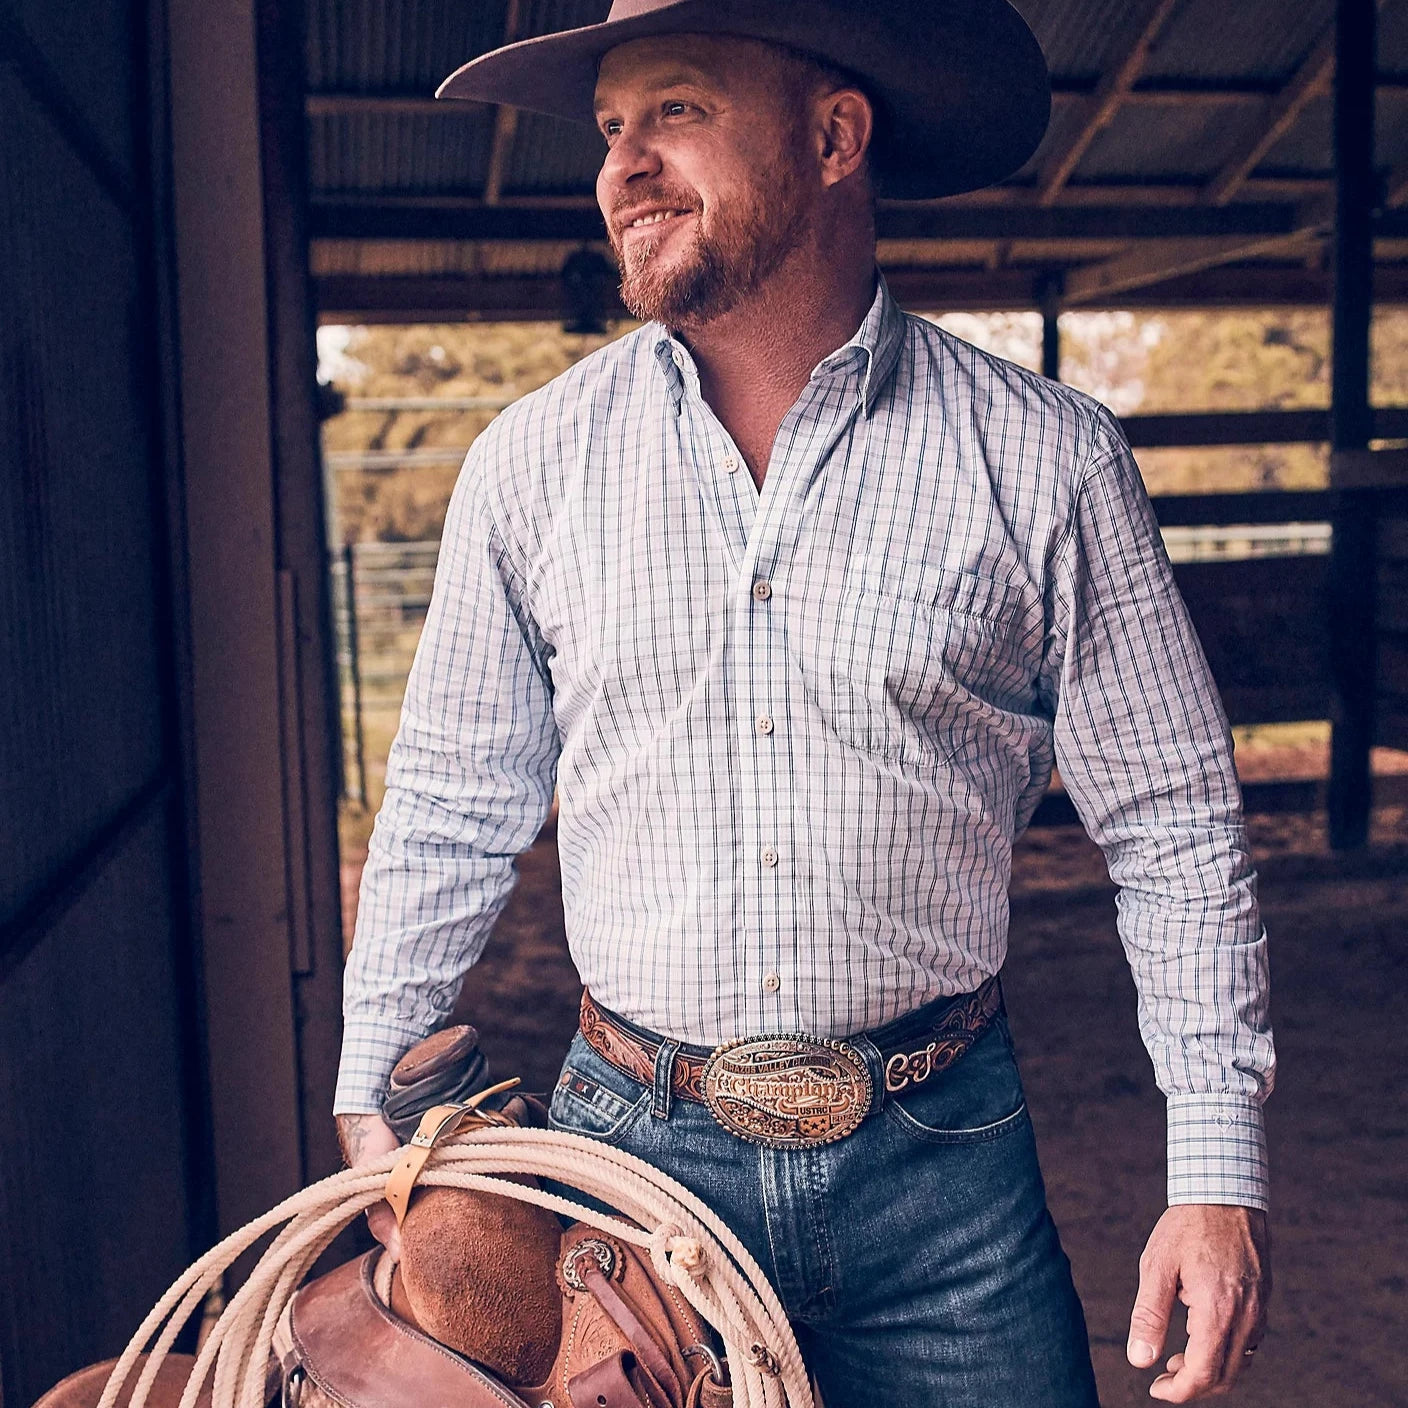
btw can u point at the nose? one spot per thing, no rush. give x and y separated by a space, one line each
630 157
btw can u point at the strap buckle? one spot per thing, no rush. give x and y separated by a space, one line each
438 1122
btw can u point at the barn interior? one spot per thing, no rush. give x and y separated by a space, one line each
191 191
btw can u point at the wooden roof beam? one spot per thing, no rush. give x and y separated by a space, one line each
505 121
1147 18
1310 81
1396 186
1158 260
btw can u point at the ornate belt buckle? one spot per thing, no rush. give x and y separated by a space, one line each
788 1092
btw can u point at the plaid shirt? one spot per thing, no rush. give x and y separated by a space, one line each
795 731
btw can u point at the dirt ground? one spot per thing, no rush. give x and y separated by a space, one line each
1338 1123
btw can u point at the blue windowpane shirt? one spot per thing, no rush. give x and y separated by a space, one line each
795 731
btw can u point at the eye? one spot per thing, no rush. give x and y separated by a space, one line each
611 128
674 108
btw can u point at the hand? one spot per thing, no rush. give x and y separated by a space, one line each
365 1138
1217 1261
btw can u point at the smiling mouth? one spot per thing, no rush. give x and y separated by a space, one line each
655 217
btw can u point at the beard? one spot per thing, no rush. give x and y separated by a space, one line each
732 251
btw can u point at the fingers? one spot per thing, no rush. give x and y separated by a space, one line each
365 1138
1201 1368
1226 1315
1148 1324
382 1222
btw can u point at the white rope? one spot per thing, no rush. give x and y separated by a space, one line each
688 1245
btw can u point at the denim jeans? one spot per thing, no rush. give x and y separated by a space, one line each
915 1258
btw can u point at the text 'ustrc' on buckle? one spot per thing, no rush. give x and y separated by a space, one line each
788 1092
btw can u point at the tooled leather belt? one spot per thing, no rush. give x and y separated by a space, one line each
793 1091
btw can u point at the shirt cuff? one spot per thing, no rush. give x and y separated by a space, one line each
1217 1151
370 1048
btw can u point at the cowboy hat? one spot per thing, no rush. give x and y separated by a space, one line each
960 86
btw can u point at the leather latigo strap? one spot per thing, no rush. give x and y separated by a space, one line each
906 1063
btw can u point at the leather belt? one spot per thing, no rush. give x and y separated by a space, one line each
793 1091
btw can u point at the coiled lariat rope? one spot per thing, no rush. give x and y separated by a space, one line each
689 1246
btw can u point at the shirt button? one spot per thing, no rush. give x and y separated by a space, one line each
772 982
765 724
677 357
1224 1122
769 857
762 590
731 464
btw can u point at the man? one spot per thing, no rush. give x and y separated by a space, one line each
795 597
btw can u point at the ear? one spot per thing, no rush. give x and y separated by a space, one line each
844 123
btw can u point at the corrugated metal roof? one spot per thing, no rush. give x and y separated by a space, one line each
1078 36
1066 121
1159 144
1393 37
360 53
1238 39
408 46
401 46
549 16
552 158
1307 148
401 152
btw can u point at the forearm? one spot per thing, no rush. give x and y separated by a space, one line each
363 1138
1191 928
1146 755
430 895
469 782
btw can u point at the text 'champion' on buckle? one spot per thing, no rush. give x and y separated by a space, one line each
788 1092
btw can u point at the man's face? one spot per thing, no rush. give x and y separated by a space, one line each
707 185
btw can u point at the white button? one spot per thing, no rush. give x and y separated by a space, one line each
762 590
772 982
1224 1122
677 357
765 724
769 857
731 464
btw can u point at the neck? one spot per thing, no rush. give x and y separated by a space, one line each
761 352
755 359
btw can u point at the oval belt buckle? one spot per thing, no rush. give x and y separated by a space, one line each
788 1092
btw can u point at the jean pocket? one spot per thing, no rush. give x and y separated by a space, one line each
583 1104
978 1098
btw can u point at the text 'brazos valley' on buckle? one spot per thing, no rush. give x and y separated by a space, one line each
788 1092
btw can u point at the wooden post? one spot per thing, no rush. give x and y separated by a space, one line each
1051 326
1351 575
354 666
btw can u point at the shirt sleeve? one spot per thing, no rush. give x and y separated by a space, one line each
469 782
1145 754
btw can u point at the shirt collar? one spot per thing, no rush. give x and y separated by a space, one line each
874 352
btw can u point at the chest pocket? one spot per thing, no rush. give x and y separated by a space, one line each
910 669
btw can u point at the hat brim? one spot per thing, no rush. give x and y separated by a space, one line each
962 87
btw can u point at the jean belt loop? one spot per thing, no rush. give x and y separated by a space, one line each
874 1063
664 1079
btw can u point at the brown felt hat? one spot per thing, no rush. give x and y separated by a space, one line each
960 86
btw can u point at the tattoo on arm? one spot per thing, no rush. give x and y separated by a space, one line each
353 1133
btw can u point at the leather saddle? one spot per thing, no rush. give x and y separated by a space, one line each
492 1305
624 1342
